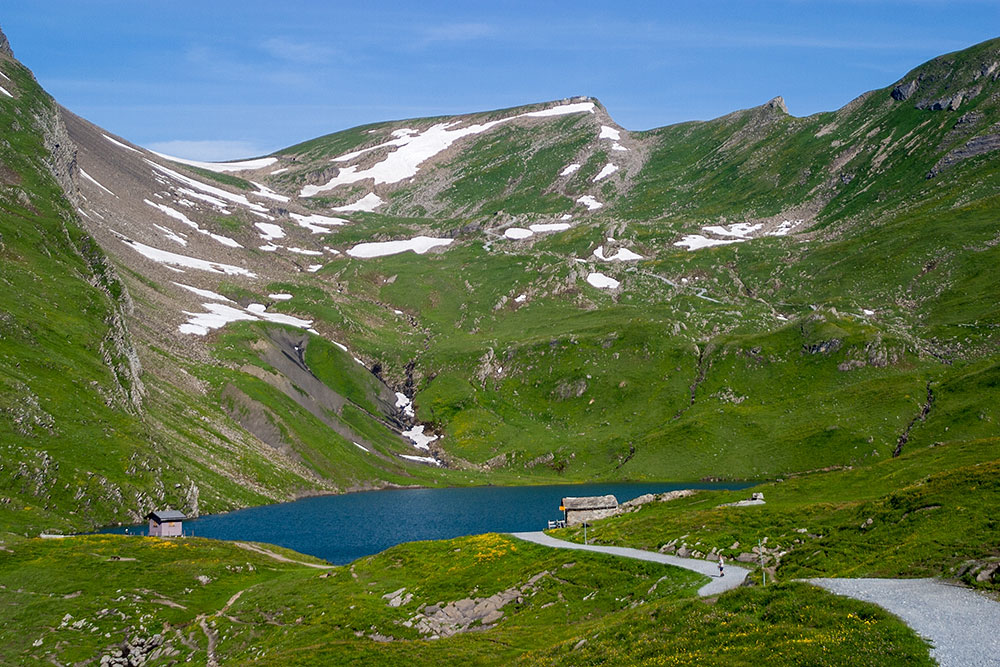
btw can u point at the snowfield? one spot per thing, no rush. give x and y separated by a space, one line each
697 241
570 169
169 233
417 437
173 259
218 315
623 255
121 145
94 181
269 231
606 171
405 404
316 223
589 202
740 230
609 133
207 189
183 219
602 281
734 233
368 203
414 147
421 459
204 293
419 245
264 191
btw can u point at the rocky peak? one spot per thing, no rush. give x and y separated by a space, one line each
5 46
777 103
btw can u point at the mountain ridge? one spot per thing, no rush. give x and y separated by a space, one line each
585 303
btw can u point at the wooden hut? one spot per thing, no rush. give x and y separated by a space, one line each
587 508
166 523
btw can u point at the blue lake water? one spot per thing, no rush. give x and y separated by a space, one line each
343 528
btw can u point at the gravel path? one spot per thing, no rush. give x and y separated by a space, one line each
734 574
963 625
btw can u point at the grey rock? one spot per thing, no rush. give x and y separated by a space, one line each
903 91
5 46
492 617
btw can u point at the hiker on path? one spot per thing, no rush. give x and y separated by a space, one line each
722 566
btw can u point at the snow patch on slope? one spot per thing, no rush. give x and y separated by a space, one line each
413 148
368 203
315 223
417 437
210 190
171 259
204 293
94 181
602 281
606 171
180 217
419 245
269 231
121 145
623 255
609 133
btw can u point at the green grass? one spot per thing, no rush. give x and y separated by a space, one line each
931 511
79 598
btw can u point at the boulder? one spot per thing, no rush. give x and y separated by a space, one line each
903 91
492 617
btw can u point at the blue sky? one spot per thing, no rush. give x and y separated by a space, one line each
216 79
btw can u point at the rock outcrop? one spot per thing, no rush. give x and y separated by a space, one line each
5 49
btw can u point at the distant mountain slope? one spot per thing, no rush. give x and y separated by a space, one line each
523 294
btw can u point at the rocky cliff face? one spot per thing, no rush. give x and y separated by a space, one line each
5 46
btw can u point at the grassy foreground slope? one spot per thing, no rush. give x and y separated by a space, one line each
161 602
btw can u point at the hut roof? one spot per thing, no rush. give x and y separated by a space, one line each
160 516
590 502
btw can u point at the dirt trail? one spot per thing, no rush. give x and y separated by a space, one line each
279 557
735 575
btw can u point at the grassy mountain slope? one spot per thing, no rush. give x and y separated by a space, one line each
860 345
100 421
866 325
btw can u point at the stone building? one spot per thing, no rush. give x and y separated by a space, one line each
588 508
166 523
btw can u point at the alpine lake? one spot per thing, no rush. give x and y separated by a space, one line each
343 528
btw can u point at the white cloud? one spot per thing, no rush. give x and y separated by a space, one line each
456 32
299 51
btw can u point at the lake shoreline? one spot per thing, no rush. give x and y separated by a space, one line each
340 528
